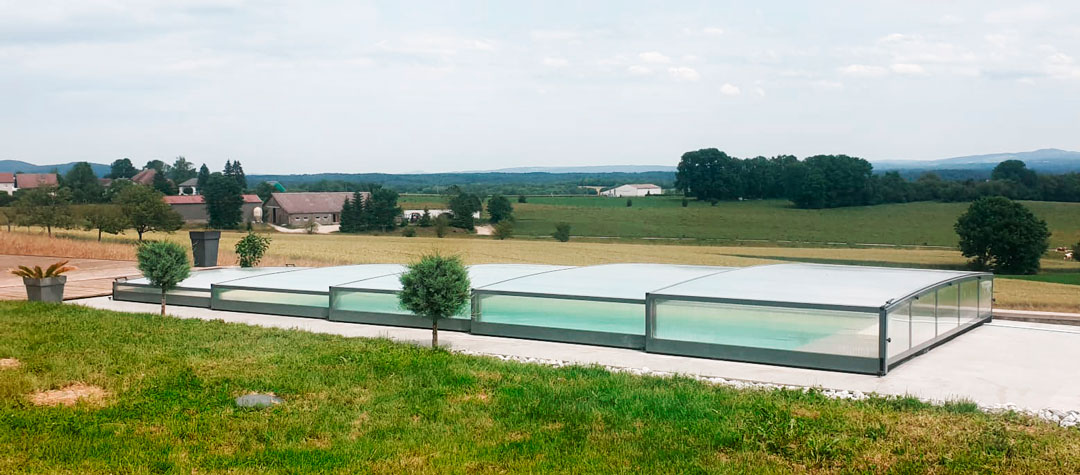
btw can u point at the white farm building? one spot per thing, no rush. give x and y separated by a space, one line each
633 189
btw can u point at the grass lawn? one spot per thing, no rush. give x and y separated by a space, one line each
776 221
381 407
1068 279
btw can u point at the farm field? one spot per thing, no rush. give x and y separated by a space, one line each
765 221
335 249
162 393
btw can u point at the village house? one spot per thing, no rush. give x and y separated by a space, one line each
11 182
633 190
7 183
193 207
298 209
188 187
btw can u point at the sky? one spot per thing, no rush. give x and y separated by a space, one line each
403 86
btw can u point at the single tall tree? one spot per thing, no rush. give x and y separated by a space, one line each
224 202
164 264
500 209
1003 236
147 210
203 176
435 287
162 184
84 184
182 170
122 168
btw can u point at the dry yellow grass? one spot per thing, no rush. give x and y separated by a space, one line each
335 249
1030 295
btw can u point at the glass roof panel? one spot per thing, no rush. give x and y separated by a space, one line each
625 281
201 279
479 276
318 279
815 284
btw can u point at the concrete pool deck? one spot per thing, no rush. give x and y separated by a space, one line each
1029 365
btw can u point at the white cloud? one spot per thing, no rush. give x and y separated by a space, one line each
654 57
683 73
712 31
759 91
690 58
863 70
638 70
908 69
729 89
556 62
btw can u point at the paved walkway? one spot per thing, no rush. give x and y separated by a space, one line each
93 277
1027 364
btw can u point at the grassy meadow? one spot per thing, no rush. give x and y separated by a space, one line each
766 221
166 388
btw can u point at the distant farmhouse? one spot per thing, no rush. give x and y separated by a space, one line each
298 209
414 215
9 182
193 207
633 190
188 187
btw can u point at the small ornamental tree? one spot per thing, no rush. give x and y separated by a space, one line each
435 287
251 248
521 199
562 232
1003 236
164 264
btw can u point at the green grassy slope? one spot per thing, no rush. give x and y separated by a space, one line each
354 405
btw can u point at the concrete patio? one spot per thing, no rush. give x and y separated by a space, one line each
1030 365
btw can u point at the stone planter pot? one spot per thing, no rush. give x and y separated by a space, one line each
204 247
45 290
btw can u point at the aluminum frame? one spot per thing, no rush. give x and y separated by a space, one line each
879 365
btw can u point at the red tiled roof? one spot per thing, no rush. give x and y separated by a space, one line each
145 177
198 199
34 180
7 178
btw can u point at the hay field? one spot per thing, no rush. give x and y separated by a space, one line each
335 249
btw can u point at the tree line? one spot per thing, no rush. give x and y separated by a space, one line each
830 181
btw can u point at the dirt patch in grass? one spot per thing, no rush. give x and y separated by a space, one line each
9 363
69 395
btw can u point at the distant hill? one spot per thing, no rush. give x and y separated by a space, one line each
16 166
1048 160
587 169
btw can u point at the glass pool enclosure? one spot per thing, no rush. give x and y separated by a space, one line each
841 318
375 300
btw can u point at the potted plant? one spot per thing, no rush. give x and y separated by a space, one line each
44 285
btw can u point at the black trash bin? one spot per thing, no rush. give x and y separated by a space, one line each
204 245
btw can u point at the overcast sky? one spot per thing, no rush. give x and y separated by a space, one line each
318 86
